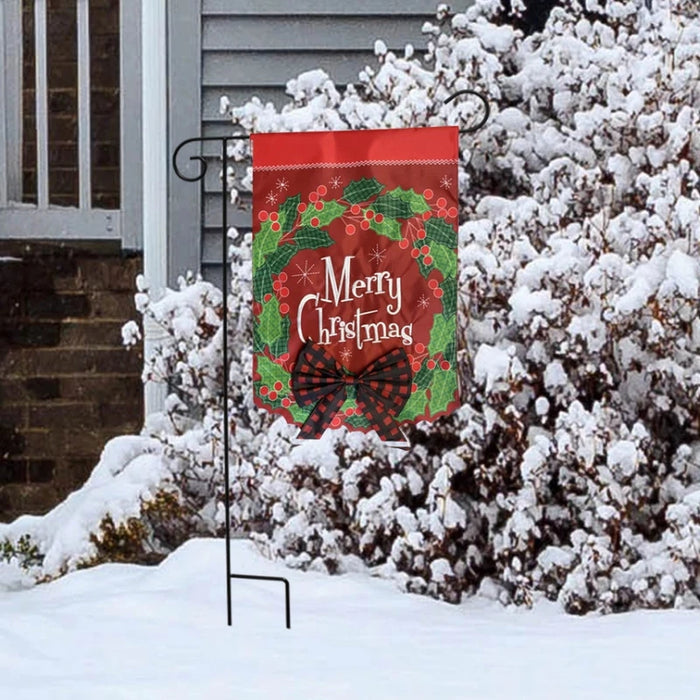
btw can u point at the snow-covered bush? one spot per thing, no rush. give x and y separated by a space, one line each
572 469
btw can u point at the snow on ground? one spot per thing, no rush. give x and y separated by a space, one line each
125 631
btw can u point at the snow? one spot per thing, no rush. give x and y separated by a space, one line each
123 631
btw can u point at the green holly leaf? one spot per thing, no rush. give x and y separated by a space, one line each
280 258
444 259
442 391
270 322
449 296
422 378
310 237
415 201
387 227
264 242
395 207
357 421
415 406
271 373
288 212
441 334
281 345
438 231
450 354
330 212
299 413
362 190
262 283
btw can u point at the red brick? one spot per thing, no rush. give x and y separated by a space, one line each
128 388
96 361
63 415
92 333
40 470
13 471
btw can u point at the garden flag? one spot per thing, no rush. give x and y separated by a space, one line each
354 277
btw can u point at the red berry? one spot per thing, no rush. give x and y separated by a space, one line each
369 214
426 215
278 386
364 224
285 355
282 277
262 216
415 366
274 216
349 411
431 364
355 209
433 283
441 202
268 296
313 197
421 234
452 211
403 243
350 229
415 253
358 411
442 213
318 206
414 387
428 194
301 207
420 348
263 391
438 293
424 250
445 364
314 221
428 260
335 423
275 226
272 396
322 190
284 310
286 402
379 218
284 292
277 285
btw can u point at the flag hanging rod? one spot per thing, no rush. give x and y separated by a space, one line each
224 141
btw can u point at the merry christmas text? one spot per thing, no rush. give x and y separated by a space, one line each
343 290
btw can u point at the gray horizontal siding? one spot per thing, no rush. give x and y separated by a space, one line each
304 33
255 48
318 7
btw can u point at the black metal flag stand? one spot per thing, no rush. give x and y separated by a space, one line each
224 142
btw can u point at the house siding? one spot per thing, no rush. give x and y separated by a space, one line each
252 49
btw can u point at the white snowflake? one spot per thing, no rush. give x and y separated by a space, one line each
446 182
423 302
377 255
304 275
282 184
345 355
271 198
336 182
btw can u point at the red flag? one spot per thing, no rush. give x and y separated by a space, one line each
354 263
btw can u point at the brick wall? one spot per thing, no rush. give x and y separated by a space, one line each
62 57
66 383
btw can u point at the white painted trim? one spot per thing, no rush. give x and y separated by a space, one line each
41 93
155 172
3 111
84 161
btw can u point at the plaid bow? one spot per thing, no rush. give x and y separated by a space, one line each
381 390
